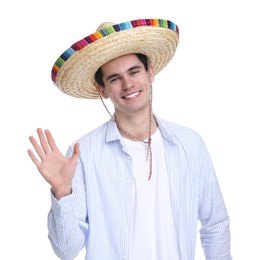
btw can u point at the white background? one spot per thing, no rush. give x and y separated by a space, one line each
213 85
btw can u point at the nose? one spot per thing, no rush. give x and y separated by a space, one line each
127 83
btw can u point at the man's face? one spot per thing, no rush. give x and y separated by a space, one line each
127 84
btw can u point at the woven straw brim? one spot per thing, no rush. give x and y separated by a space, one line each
76 76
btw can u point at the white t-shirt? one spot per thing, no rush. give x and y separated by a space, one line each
153 235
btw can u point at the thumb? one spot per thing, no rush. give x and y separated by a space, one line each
76 152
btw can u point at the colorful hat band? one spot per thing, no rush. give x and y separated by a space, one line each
105 32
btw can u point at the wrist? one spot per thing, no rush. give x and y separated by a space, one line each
60 193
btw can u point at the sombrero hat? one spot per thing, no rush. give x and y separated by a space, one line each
73 72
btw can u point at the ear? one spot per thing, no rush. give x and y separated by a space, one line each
151 73
101 91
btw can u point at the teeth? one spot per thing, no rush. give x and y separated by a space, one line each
132 95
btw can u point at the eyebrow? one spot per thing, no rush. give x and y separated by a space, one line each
116 74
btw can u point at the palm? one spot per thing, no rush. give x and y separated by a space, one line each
55 168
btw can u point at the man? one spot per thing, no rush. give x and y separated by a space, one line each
134 187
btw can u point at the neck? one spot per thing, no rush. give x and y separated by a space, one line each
140 129
137 127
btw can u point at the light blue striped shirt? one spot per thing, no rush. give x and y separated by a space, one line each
97 214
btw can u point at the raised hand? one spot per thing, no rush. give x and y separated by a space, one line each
55 168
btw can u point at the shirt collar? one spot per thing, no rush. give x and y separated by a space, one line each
113 134
166 130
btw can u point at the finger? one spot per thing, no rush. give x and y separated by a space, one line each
51 141
43 141
37 147
33 157
76 152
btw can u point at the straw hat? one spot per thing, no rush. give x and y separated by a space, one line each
73 72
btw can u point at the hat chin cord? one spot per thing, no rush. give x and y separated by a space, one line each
148 142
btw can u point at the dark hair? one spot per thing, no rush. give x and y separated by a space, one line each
98 76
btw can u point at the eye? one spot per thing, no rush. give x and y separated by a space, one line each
134 72
114 79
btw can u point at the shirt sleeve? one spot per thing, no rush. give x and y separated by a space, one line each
214 232
67 220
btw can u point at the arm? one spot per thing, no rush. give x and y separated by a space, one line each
67 220
66 229
214 232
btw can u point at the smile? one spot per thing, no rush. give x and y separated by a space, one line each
131 95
